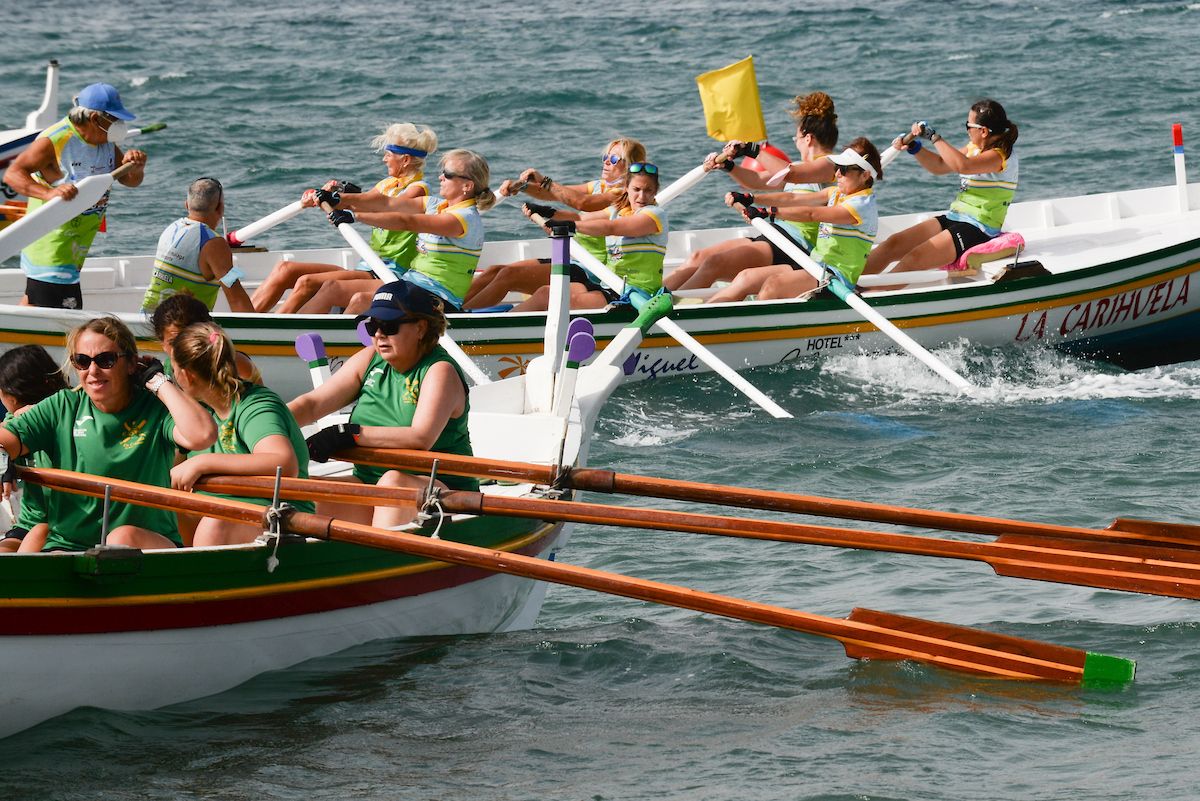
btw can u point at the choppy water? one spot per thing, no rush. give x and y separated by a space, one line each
613 699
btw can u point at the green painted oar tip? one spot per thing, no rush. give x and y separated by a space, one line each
653 310
154 126
1101 669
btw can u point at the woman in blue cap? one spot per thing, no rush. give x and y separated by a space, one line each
407 391
84 143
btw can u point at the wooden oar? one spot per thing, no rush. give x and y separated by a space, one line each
1169 572
34 225
591 479
867 634
673 329
851 299
384 273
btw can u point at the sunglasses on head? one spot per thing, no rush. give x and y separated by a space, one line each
105 361
971 125
389 328
612 158
643 166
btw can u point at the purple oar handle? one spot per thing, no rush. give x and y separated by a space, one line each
310 347
363 336
582 346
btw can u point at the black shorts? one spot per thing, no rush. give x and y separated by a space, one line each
580 276
15 533
777 255
965 235
53 296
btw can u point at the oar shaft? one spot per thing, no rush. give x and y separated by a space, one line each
919 640
247 232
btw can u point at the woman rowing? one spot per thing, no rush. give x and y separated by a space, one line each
636 231
407 391
492 284
449 232
816 137
125 421
405 147
255 431
987 171
28 375
848 219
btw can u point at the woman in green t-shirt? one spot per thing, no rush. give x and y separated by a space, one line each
255 431
409 393
124 421
28 375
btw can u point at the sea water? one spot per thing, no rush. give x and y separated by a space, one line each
615 699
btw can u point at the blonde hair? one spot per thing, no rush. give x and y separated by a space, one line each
110 327
406 134
474 168
633 150
205 351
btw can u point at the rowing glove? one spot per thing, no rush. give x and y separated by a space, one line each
331 439
348 188
332 197
746 149
540 209
742 198
339 216
758 212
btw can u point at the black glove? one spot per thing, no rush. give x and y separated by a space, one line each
746 149
348 188
758 212
332 197
339 216
542 210
148 367
728 164
744 198
328 441
927 131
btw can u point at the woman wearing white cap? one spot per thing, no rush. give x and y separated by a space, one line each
405 147
407 391
987 170
848 218
84 143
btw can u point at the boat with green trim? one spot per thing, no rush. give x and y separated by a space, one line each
120 628
1105 276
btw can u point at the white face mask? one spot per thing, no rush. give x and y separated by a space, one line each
118 132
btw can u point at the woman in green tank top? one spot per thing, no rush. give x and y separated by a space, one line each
255 431
407 391
491 284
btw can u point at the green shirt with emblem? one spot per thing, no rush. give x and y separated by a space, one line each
135 444
389 398
258 413
33 496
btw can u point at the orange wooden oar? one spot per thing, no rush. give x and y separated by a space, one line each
1170 572
867 634
590 479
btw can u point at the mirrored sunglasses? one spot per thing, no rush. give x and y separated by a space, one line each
643 166
611 158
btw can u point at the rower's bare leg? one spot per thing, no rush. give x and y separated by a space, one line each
308 285
898 245
522 276
792 284
283 276
748 282
337 294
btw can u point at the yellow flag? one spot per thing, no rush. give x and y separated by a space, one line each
731 107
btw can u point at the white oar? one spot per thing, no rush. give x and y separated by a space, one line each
384 273
242 235
889 155
859 305
670 327
692 177
56 212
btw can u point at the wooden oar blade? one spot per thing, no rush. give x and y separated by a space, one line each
1176 533
997 653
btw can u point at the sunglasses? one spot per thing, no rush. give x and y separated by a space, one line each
611 158
450 176
643 166
971 125
389 328
845 169
105 361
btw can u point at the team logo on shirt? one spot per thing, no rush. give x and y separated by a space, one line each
370 380
412 390
228 437
135 434
79 430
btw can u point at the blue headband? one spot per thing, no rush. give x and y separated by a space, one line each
406 151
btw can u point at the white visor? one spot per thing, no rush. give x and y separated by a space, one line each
852 158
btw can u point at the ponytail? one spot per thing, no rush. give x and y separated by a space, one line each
206 352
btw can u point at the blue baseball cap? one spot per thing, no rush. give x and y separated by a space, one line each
400 300
103 97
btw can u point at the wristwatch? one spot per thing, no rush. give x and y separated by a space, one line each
156 382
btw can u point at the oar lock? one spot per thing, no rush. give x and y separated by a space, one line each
431 503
